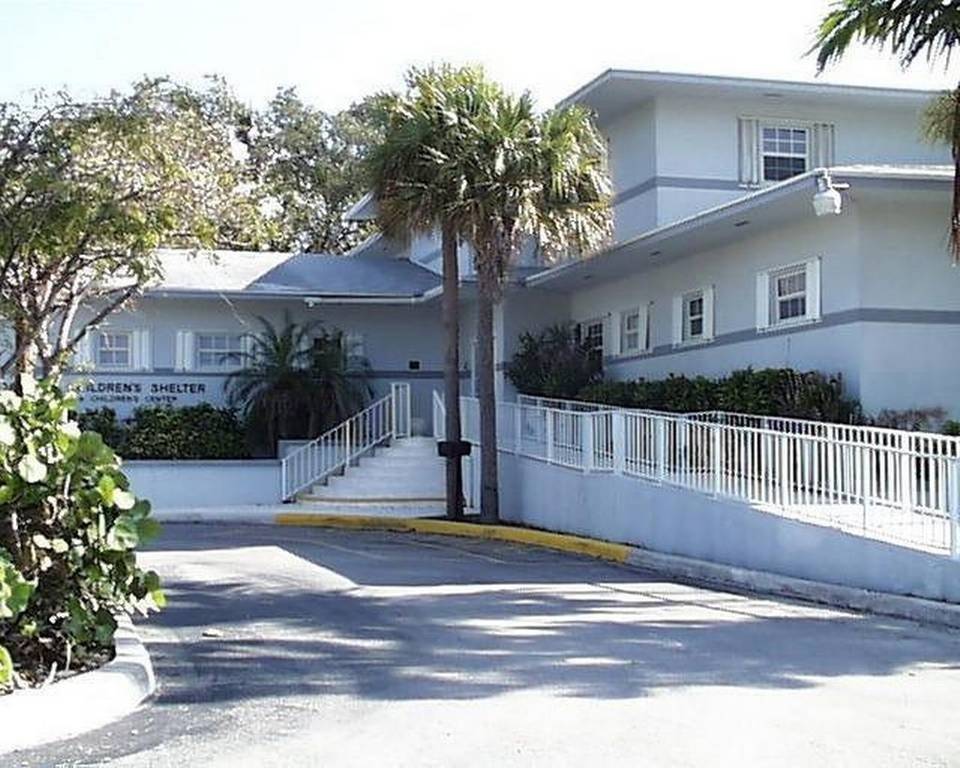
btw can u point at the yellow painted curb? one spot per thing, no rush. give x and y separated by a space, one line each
603 550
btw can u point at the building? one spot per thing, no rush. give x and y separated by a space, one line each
719 261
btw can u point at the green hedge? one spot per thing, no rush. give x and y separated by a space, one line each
194 432
767 392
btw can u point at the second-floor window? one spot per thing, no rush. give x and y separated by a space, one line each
784 151
219 350
114 349
590 334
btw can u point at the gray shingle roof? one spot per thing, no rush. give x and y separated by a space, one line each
307 274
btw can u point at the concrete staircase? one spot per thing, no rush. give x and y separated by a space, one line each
405 478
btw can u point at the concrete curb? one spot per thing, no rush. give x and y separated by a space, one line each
88 701
880 603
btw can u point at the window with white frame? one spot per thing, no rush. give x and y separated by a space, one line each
590 335
634 330
788 295
218 351
114 349
693 316
784 151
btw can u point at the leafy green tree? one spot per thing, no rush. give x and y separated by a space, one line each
297 382
531 176
309 165
88 190
419 178
911 28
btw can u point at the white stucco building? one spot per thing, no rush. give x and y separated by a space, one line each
719 260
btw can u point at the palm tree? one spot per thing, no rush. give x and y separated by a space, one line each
296 382
910 28
417 174
532 176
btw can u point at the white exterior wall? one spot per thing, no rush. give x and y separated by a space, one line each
890 303
393 336
683 151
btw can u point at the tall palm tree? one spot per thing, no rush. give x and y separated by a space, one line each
532 176
291 387
417 174
910 28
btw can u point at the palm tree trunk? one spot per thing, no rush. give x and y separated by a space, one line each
955 210
489 486
451 369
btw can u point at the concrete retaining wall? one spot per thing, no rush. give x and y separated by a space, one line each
192 484
679 522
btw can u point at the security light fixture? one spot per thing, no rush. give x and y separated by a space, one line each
827 200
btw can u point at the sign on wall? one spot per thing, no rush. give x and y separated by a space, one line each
124 393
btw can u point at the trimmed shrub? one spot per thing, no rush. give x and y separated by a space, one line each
67 537
552 363
769 392
195 432
161 432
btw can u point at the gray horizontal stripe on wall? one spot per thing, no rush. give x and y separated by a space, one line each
832 320
675 182
168 372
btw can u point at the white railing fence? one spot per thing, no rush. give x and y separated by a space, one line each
439 416
382 421
898 486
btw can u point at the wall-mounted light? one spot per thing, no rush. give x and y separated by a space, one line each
827 200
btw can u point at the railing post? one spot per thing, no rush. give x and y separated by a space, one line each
660 429
906 479
717 463
586 442
783 471
549 434
518 428
954 508
864 477
618 441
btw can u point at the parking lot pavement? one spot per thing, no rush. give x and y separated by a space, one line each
289 647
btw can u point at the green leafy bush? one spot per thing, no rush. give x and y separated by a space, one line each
161 432
195 432
552 363
67 537
768 392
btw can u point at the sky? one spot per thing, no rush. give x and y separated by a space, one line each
337 52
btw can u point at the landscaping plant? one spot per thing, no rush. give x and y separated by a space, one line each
69 526
553 363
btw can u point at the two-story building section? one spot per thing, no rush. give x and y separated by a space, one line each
719 260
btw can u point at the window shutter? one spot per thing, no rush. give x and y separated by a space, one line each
678 319
643 324
813 289
184 356
140 355
748 131
763 300
83 351
708 312
822 145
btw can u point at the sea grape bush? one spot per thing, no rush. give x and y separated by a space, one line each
69 526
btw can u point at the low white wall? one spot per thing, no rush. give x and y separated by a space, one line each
675 521
191 484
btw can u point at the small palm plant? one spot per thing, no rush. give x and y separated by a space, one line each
296 383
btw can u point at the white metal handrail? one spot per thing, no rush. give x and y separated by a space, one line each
333 450
901 487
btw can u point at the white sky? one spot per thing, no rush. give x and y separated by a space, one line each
336 52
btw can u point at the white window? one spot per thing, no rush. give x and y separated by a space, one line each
635 330
114 350
783 151
219 351
693 316
354 348
788 295
772 150
590 335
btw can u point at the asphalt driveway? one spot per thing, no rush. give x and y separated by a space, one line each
290 647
